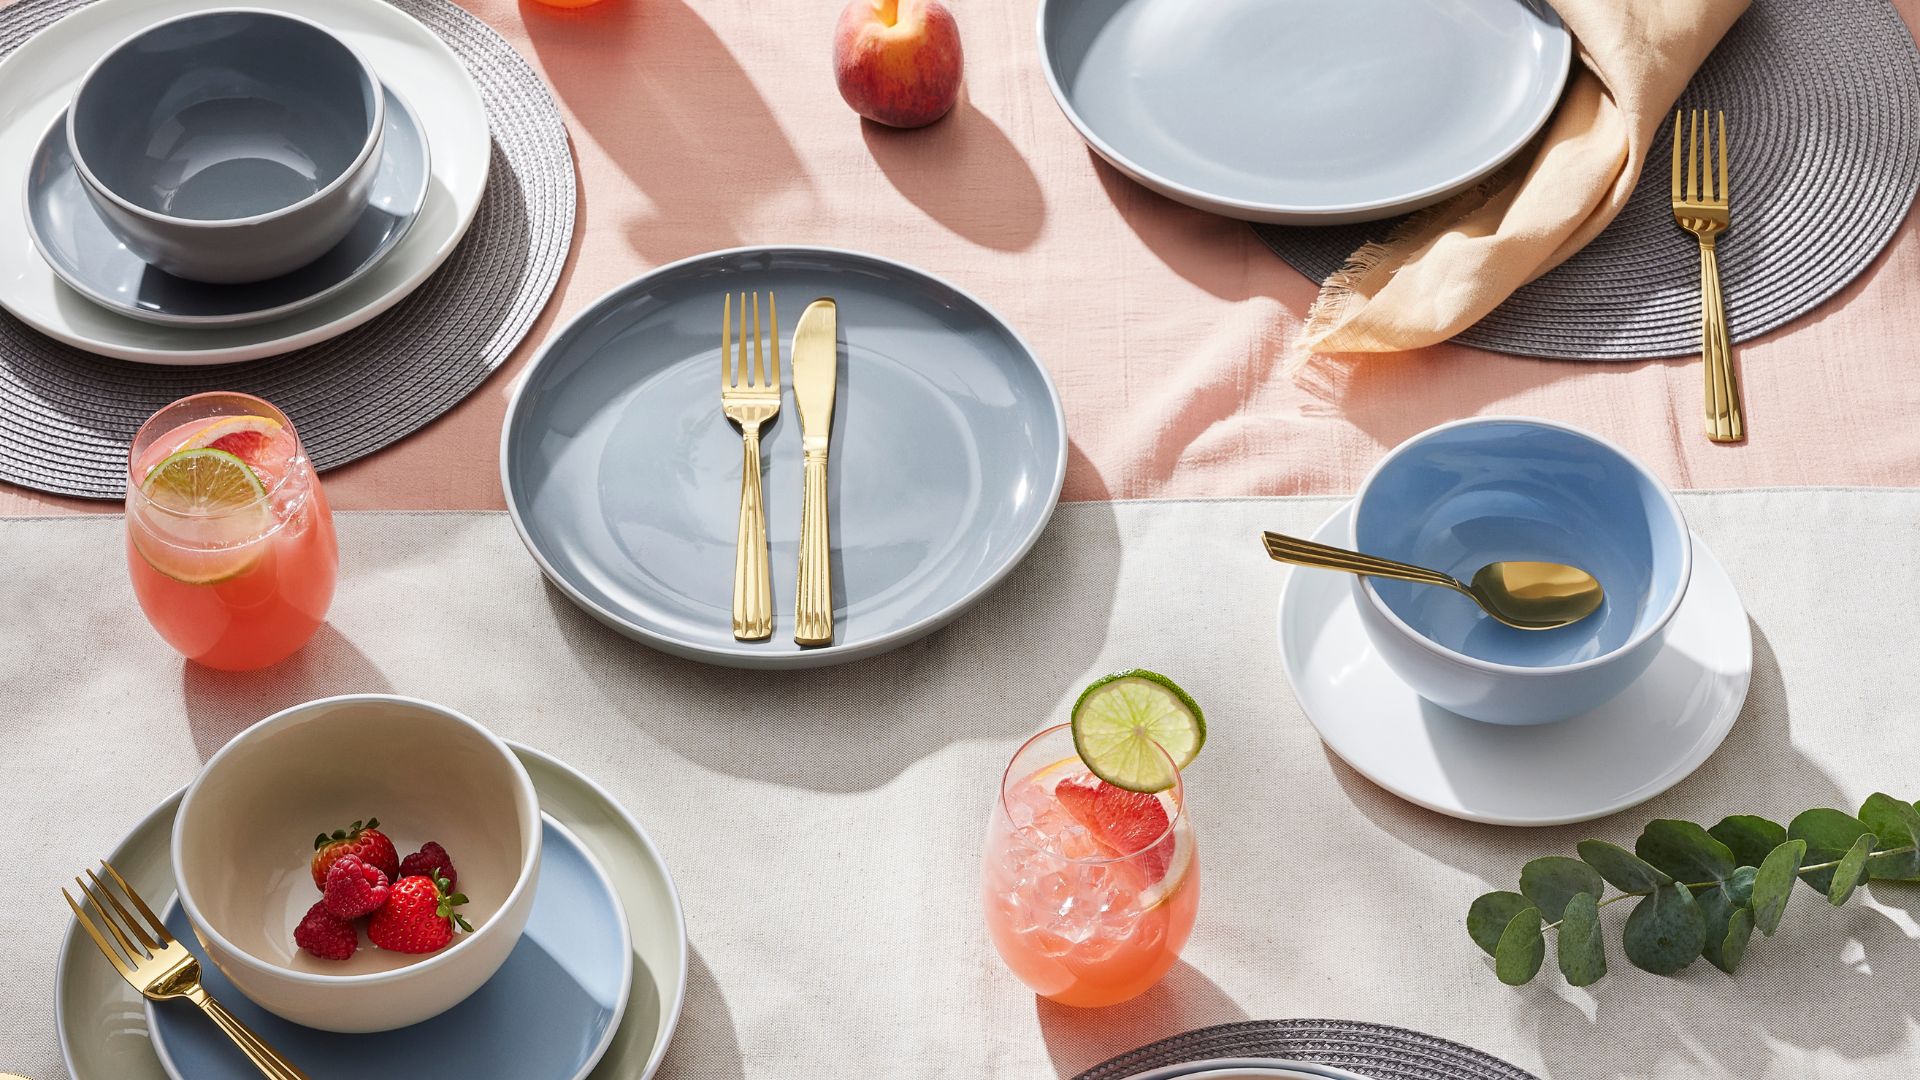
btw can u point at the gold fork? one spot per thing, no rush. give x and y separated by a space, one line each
162 968
750 398
1700 207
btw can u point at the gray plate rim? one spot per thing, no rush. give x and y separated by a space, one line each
739 655
392 243
1257 210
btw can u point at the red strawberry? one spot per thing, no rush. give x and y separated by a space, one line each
362 838
430 861
354 888
418 916
325 936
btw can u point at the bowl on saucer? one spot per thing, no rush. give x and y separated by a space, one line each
1482 490
229 146
244 837
76 244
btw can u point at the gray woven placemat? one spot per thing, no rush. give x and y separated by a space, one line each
1372 1050
1821 101
66 416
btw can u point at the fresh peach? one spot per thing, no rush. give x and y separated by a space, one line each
898 62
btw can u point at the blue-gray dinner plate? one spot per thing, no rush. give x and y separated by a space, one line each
549 1012
1305 112
84 253
623 478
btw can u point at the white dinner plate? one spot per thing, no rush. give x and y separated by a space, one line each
1656 733
103 1032
1305 112
38 79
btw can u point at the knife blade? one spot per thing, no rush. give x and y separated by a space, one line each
816 363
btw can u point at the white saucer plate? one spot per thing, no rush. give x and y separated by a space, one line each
103 1032
38 79
1655 734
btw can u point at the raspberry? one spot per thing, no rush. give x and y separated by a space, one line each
325 936
354 888
430 861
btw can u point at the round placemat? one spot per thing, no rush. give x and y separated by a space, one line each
1372 1050
1825 160
67 416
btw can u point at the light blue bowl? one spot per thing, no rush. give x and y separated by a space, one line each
1472 492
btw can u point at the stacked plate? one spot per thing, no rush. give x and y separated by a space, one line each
73 276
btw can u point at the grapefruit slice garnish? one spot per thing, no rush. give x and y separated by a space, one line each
1135 826
263 443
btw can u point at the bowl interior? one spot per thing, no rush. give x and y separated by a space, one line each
224 115
1462 497
247 827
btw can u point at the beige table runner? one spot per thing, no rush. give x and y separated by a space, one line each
824 827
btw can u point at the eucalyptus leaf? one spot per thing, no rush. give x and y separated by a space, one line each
1582 946
1829 835
1897 825
1739 885
1666 931
1728 923
1684 851
1551 881
1851 871
1522 949
1773 885
1622 868
1750 838
1487 919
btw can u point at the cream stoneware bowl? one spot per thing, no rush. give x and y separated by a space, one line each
243 842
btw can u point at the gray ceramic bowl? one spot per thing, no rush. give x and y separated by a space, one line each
231 145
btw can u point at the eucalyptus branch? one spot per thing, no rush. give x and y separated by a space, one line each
1702 892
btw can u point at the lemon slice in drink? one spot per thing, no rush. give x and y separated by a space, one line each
204 508
1137 729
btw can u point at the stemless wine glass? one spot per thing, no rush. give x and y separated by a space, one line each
229 540
1090 890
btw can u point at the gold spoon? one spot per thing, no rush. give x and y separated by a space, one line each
1524 595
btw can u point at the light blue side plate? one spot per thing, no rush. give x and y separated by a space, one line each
623 477
549 1012
92 261
1305 112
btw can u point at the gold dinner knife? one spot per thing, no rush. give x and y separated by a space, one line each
816 361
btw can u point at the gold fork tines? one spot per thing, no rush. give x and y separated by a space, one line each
750 397
152 962
1700 202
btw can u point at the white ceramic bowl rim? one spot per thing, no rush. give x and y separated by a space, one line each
529 863
1563 42
376 126
1646 632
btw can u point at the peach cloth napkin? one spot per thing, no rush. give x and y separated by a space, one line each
1447 267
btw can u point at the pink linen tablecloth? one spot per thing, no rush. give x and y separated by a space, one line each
711 124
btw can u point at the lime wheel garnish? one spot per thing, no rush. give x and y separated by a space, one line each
1137 729
209 505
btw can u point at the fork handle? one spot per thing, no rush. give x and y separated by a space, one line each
1725 422
264 1057
813 609
752 577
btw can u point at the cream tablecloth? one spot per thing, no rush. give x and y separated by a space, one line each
824 827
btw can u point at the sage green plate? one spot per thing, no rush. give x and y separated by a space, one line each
102 1022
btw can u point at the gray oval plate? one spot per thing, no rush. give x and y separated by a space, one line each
85 254
623 477
1305 112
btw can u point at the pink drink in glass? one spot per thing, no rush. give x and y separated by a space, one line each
1090 891
242 583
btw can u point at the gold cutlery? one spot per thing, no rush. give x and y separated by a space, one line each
162 968
750 397
816 361
1524 595
1700 207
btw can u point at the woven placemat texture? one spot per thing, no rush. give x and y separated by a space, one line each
67 416
1375 1051
1821 100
